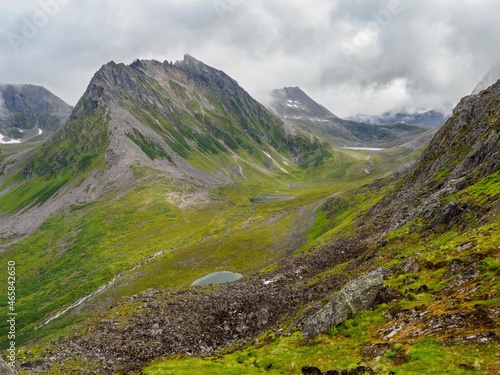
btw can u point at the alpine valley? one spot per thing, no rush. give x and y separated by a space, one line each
363 247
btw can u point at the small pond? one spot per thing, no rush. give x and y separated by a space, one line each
271 198
217 278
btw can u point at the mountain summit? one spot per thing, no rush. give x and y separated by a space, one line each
27 107
186 120
297 108
292 102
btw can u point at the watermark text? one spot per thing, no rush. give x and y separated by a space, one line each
31 26
380 20
225 6
11 313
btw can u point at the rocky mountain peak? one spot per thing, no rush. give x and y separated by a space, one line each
198 70
293 102
190 61
26 107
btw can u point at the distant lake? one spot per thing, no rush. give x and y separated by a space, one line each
217 278
271 198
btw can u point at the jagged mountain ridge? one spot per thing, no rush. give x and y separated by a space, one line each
296 107
27 107
186 120
225 118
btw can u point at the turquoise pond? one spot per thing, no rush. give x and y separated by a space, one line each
217 278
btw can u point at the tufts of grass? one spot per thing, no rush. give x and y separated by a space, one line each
339 349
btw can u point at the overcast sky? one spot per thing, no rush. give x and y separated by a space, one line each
352 56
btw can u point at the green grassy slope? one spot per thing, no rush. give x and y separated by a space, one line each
84 247
284 351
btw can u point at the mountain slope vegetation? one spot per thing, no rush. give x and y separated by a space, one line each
151 183
432 231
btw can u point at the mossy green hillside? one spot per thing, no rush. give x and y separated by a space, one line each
64 160
340 349
285 351
82 248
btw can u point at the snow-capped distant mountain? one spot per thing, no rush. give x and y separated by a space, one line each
296 107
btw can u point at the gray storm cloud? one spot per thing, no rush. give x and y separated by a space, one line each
353 56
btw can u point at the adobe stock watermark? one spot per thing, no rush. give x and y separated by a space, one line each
11 314
31 26
224 6
380 20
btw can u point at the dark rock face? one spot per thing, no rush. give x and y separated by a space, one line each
465 150
423 289
5 369
360 294
28 106
311 370
388 294
375 350
292 101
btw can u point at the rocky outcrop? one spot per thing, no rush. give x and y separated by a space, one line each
464 151
359 294
5 369
312 370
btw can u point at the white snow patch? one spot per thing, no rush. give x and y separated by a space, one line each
40 131
12 141
275 162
